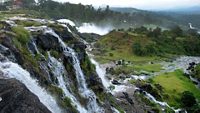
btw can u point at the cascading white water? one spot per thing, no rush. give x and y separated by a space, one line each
163 104
92 105
59 71
13 70
35 47
101 73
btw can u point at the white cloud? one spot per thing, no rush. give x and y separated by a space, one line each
142 4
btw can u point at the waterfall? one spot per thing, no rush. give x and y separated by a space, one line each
59 71
84 91
162 104
13 70
101 72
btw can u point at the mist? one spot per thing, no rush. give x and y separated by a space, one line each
93 28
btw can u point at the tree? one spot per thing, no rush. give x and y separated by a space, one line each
155 33
137 48
177 31
141 29
188 99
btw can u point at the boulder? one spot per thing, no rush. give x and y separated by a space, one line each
16 98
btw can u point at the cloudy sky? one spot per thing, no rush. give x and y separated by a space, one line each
141 4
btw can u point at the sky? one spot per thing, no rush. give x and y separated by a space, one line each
140 4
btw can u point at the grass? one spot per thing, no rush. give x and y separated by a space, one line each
22 34
174 84
119 45
28 23
132 69
148 67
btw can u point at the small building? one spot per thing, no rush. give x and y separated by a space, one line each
17 4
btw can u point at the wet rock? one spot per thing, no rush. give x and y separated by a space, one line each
65 34
5 26
128 98
16 98
123 77
115 82
152 90
12 54
31 47
95 83
47 42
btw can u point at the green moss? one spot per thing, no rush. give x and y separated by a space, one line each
67 103
56 90
87 66
55 53
57 27
112 100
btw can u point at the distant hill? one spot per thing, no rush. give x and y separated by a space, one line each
188 10
115 16
125 10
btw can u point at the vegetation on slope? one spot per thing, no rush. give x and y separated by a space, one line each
173 85
142 44
196 72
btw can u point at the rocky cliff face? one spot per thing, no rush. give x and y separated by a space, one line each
53 54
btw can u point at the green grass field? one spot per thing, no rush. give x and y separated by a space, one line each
148 67
174 84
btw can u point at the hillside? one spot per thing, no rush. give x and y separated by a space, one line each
152 60
141 42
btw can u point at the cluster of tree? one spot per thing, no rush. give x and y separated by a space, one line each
173 41
146 50
87 13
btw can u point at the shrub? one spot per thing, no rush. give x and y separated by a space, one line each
188 99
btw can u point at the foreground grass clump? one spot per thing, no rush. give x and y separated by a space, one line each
28 23
174 84
22 34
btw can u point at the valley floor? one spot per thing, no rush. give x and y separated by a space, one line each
161 81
